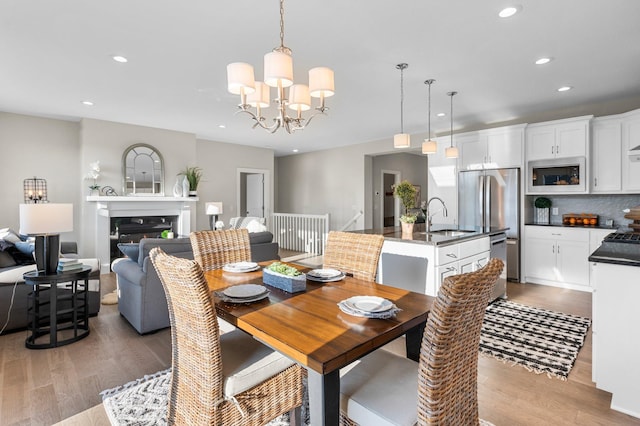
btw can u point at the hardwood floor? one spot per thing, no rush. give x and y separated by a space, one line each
42 387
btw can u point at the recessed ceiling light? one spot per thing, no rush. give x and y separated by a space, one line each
509 11
564 88
543 61
295 150
222 126
120 59
87 103
440 114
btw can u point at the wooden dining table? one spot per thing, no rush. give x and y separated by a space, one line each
310 328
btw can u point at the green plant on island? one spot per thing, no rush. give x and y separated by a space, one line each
283 269
193 175
406 192
542 203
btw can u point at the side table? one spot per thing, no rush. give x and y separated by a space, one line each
58 310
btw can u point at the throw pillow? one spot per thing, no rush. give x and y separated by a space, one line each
6 260
9 235
131 250
255 226
26 247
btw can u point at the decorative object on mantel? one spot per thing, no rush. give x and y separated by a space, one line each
278 73
406 192
94 174
542 205
179 187
109 191
35 190
142 171
402 139
192 176
213 209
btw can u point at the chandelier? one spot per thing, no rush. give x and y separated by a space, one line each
278 73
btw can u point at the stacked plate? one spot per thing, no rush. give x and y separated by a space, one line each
369 307
241 267
325 275
243 293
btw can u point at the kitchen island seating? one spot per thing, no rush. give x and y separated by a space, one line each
386 389
229 379
214 249
352 253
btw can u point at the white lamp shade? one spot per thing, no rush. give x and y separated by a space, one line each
429 147
299 99
46 218
240 78
261 97
278 66
214 207
401 140
451 152
321 82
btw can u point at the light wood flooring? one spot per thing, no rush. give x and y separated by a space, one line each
43 387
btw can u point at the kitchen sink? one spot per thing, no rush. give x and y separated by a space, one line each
451 232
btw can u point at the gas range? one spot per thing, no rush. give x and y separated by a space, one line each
628 237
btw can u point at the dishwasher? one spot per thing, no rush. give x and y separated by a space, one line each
499 251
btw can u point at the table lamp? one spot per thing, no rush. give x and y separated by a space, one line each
46 221
213 209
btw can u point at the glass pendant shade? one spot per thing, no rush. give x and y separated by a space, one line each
278 66
429 146
321 82
402 140
299 99
451 152
240 78
261 97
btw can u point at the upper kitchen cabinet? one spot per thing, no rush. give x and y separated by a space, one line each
492 148
558 139
631 151
606 154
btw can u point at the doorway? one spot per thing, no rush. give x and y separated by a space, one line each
253 193
390 205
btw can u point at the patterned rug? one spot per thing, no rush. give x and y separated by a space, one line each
143 402
540 340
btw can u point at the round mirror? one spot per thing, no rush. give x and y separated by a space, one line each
143 171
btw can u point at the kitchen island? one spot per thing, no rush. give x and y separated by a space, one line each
420 263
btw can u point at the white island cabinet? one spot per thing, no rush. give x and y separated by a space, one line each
616 350
421 266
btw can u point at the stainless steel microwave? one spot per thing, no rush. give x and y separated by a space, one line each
557 175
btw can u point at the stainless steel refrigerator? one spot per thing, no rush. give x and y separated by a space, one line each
491 199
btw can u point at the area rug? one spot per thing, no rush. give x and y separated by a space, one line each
540 340
144 402
110 298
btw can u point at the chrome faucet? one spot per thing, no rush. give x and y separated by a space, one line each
430 217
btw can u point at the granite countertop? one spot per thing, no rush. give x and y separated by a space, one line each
434 238
617 253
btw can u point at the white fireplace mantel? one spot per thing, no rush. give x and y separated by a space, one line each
108 207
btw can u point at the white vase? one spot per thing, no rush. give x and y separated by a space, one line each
177 188
185 187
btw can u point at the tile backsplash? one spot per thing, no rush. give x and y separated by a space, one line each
606 206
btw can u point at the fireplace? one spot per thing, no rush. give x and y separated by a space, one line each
132 229
177 212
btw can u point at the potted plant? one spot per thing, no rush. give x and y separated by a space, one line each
406 192
542 205
193 176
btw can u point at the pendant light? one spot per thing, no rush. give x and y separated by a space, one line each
401 140
429 146
452 151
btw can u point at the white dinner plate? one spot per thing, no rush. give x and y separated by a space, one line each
245 291
325 273
241 267
370 303
325 280
247 299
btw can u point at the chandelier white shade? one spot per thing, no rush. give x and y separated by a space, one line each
402 139
451 151
278 73
429 146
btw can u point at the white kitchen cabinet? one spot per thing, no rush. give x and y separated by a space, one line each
557 256
492 148
595 239
615 349
558 139
630 140
606 155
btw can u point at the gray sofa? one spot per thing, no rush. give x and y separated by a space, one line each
11 281
141 298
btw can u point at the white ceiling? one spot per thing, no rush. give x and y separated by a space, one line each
58 53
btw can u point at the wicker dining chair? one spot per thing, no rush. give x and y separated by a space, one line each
387 389
214 249
353 253
229 379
